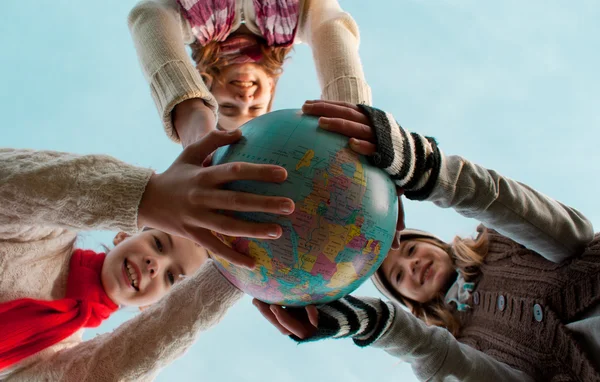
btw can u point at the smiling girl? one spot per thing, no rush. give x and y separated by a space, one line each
50 290
239 47
520 302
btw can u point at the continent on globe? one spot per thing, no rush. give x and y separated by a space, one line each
343 224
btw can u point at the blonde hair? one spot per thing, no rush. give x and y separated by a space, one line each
467 254
209 63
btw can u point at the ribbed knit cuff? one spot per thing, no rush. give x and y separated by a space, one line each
412 160
365 319
174 83
348 89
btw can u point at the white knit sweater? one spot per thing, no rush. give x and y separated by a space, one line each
160 33
46 197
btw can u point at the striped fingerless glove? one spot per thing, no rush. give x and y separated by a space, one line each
412 160
364 319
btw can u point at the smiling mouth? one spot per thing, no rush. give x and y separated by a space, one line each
132 275
426 273
243 84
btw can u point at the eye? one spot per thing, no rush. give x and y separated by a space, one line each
171 277
225 106
158 244
256 108
398 277
411 250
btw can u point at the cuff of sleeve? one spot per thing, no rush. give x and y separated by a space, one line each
348 89
173 83
126 195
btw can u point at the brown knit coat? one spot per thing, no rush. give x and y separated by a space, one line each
527 300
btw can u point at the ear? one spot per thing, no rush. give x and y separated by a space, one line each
121 236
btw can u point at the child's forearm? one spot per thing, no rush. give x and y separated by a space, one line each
142 346
160 34
56 189
193 119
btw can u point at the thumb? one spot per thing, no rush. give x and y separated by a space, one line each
198 151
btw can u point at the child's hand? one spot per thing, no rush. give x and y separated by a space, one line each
349 120
346 119
185 199
300 322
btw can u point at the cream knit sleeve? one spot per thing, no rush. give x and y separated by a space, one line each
160 34
55 189
334 38
139 348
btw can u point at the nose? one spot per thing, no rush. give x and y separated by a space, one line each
152 267
414 267
245 95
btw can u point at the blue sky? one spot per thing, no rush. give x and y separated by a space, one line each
510 85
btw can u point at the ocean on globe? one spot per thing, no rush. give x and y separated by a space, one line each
343 224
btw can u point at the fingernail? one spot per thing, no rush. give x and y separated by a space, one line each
306 107
233 132
286 207
273 233
279 173
323 123
354 142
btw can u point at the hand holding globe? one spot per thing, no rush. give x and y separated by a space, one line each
344 221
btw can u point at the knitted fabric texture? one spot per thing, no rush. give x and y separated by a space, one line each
515 283
364 319
29 326
412 160
212 20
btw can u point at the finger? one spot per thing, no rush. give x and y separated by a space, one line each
291 323
362 147
332 110
400 223
246 202
229 172
208 160
330 102
217 248
199 150
348 128
313 315
231 226
266 312
396 241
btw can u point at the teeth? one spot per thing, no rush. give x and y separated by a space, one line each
245 84
132 275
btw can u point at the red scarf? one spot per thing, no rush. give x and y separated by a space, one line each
28 326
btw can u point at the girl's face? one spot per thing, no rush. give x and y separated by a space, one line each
418 270
142 268
243 92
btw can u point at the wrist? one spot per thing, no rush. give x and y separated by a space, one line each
145 206
192 120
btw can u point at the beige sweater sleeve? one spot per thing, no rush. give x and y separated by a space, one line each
54 189
160 34
138 349
334 39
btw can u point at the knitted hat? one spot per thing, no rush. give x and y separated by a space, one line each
381 283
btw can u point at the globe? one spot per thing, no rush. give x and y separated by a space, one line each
343 224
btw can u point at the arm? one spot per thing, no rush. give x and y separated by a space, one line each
334 38
54 189
434 354
529 217
140 347
160 33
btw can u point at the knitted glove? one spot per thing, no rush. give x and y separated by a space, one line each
412 160
364 319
